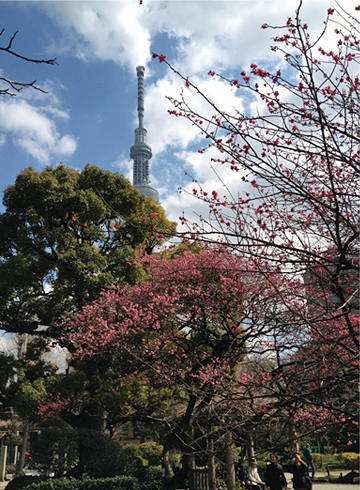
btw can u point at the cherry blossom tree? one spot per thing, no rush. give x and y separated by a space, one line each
261 326
295 214
180 349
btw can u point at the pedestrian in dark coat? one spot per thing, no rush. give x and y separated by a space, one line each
274 474
300 470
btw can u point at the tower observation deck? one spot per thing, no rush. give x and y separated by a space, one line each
141 152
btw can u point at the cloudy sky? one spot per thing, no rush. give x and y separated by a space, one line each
89 114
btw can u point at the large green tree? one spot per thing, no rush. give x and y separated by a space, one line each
65 235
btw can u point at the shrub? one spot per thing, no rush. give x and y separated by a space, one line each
98 455
221 484
55 449
150 478
117 483
129 459
152 452
318 460
349 460
21 482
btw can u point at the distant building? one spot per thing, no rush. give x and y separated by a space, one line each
141 152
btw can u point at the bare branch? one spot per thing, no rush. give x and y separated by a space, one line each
15 87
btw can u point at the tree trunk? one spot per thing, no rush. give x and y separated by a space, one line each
23 448
211 464
167 466
250 447
294 445
188 457
229 459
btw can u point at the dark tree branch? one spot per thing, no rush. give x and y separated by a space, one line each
15 87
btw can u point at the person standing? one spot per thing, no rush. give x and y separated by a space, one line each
274 475
309 460
255 481
301 481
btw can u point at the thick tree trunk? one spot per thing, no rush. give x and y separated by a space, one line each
229 459
172 480
188 458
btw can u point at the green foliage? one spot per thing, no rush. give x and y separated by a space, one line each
21 482
73 232
261 466
7 371
263 458
349 460
64 450
116 483
221 484
318 460
98 455
64 236
55 449
152 453
12 439
150 477
129 459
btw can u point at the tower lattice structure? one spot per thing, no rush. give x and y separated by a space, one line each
141 152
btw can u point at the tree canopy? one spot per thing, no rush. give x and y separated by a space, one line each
65 235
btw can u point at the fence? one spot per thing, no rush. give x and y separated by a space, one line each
199 479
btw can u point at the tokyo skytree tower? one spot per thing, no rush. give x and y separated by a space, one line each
141 152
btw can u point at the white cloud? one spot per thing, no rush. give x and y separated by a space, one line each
168 131
33 131
195 36
207 34
104 30
124 166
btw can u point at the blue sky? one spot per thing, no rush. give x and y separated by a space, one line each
89 113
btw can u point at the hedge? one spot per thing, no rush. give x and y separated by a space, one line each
116 483
349 460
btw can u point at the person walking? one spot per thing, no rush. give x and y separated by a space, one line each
274 475
255 481
309 460
301 481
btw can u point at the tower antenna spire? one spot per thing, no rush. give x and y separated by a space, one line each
140 74
141 152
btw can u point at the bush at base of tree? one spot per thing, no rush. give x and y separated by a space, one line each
150 478
147 479
117 483
99 455
21 482
79 452
152 452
